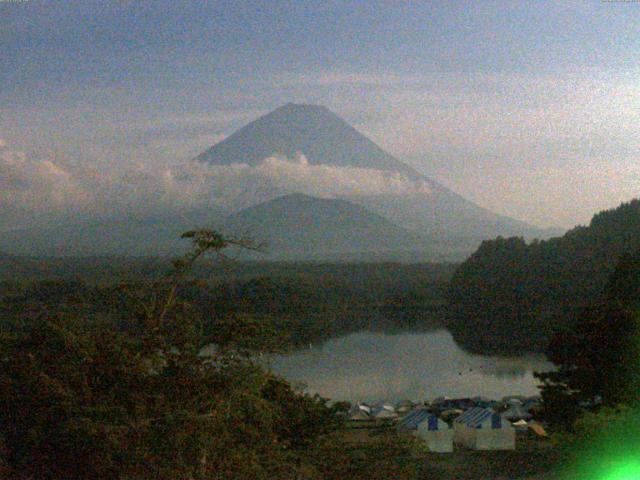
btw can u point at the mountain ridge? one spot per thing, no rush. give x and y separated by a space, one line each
302 128
300 225
326 139
336 163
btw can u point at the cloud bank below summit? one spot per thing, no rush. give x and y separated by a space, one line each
41 191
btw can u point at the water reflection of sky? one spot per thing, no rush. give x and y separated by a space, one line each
374 366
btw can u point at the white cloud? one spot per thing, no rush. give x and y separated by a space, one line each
33 187
240 185
48 189
479 133
504 139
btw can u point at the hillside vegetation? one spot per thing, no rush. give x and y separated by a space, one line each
510 296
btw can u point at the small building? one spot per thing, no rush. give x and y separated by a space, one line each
436 434
483 429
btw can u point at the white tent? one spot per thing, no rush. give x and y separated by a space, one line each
405 406
521 426
359 412
483 429
515 413
437 434
384 411
514 400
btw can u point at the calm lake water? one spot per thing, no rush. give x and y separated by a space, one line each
370 366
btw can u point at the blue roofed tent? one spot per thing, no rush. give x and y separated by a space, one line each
409 423
436 434
483 429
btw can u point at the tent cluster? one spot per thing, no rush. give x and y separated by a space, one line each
476 425
379 411
514 408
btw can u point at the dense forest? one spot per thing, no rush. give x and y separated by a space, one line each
112 382
108 269
305 302
510 296
103 371
597 356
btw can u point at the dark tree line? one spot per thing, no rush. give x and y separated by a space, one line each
510 296
598 359
307 307
114 383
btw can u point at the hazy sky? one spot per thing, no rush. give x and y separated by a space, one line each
529 108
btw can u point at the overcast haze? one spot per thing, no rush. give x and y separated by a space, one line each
531 109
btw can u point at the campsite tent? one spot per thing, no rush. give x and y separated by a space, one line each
480 401
451 414
483 429
454 403
405 406
436 402
538 429
515 413
436 434
514 400
359 412
521 426
384 411
409 423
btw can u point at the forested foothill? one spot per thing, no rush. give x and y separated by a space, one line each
512 296
306 302
103 375
577 299
598 357
113 383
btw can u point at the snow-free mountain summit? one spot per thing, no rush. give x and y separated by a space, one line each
312 130
306 183
410 200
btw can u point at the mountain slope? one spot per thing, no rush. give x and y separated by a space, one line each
419 204
300 226
128 236
512 296
313 152
446 215
315 131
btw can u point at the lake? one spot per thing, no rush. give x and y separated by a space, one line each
369 366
